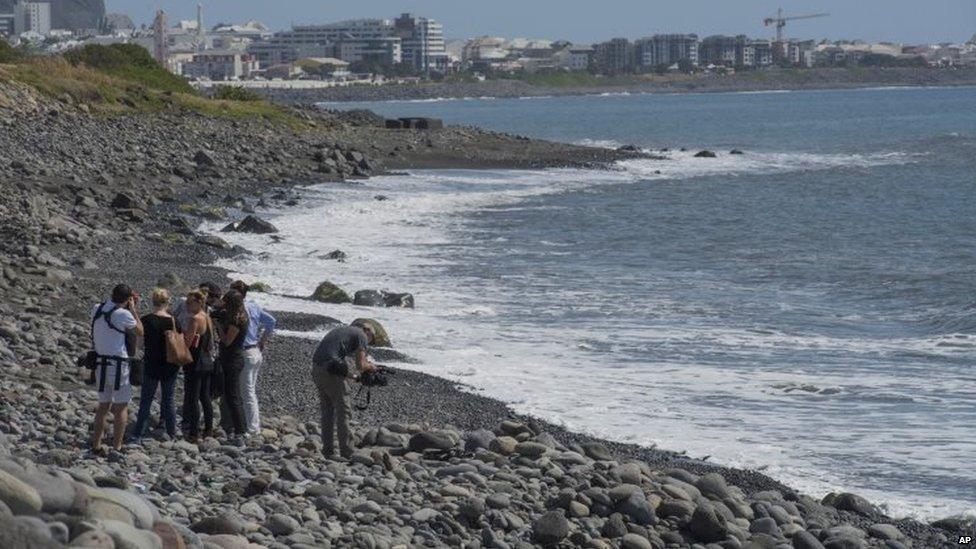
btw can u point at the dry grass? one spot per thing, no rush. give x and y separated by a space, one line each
123 91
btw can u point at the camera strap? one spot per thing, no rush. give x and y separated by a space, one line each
363 397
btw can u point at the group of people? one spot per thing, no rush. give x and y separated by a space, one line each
225 336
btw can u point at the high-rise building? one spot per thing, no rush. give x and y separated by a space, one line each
32 17
8 23
422 43
615 56
666 49
370 41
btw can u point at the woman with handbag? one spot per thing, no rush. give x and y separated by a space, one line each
165 353
201 338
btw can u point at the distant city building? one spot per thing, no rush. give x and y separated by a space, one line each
34 17
370 41
220 65
614 56
422 43
800 52
666 50
722 50
8 23
574 58
238 37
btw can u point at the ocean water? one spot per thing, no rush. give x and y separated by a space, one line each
806 309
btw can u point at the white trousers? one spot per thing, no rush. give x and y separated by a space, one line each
249 389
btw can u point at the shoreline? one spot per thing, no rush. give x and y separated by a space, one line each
747 82
74 240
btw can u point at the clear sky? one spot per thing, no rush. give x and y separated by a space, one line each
907 21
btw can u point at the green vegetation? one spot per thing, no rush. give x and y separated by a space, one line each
121 78
884 60
564 79
212 213
235 93
128 62
9 54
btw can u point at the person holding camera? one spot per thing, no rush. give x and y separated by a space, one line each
339 358
115 327
232 321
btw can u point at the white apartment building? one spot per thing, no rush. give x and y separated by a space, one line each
219 65
574 58
32 17
354 41
666 49
8 24
422 43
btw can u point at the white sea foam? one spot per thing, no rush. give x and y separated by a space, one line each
465 335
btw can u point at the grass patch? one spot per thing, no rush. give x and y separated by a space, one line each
128 62
235 93
123 78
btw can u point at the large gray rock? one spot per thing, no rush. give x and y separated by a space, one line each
127 536
250 224
885 531
713 486
551 528
58 495
123 506
430 440
379 298
281 525
20 497
478 440
328 292
706 524
637 508
531 449
17 534
633 541
805 540
223 524
850 502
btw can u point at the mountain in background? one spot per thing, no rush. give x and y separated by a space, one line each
69 14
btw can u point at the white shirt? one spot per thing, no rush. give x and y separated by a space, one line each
109 342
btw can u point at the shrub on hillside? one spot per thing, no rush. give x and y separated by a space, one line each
235 93
130 62
9 54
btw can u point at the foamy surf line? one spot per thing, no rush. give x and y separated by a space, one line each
394 240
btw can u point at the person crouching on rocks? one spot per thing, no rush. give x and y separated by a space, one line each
159 372
115 327
232 322
339 358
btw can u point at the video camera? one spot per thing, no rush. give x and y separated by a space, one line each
380 377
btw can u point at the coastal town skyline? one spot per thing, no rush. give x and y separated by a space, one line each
871 20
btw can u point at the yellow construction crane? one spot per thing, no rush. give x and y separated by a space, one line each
780 21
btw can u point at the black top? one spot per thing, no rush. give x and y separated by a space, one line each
339 344
155 354
233 354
